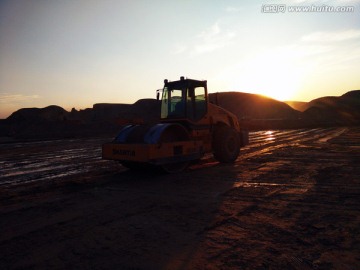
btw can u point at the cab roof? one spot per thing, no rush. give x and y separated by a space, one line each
184 83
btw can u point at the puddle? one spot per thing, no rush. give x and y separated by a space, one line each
255 184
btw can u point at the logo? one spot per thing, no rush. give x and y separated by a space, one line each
122 152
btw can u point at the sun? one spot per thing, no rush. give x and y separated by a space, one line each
275 75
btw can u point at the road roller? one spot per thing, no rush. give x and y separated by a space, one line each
189 127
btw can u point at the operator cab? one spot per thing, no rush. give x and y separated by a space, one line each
184 99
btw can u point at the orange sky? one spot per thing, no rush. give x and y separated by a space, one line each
77 53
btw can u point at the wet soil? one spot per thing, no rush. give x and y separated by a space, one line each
291 201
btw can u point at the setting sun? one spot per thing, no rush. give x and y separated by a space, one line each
272 74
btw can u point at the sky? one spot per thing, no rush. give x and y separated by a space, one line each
75 53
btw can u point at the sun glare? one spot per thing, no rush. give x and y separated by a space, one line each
273 75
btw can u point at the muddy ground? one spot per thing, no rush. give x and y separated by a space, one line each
291 201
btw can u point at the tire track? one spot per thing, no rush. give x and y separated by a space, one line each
48 160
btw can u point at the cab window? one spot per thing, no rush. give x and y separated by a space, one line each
196 103
172 104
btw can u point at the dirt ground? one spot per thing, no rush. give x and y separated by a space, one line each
291 201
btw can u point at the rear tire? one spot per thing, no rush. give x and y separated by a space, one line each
226 144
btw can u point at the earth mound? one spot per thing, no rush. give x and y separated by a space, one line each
252 106
254 112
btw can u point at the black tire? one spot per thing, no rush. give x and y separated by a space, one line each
226 144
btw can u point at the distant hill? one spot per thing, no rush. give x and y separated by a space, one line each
298 105
253 111
331 110
55 122
257 112
252 106
343 110
50 113
351 98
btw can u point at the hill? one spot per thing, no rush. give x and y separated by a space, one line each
50 113
257 112
343 110
55 122
252 106
349 100
253 111
298 105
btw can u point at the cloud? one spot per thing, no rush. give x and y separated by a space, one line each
179 48
231 9
334 36
209 40
6 98
329 51
211 32
212 39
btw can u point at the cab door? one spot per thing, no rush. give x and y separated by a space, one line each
196 104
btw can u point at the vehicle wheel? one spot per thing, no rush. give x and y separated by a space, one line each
226 144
